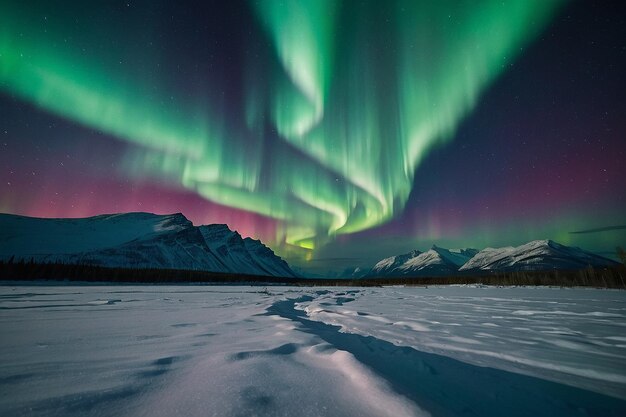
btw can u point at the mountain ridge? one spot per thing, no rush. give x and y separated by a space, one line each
138 240
536 255
435 261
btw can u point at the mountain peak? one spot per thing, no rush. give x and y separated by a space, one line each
435 261
140 240
544 254
392 263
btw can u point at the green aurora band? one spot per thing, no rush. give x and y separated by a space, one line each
356 96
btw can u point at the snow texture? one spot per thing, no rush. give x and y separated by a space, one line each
247 351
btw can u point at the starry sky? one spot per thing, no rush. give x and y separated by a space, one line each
336 132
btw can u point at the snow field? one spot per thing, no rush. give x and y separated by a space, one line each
570 336
244 351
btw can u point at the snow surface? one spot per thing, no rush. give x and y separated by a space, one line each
247 351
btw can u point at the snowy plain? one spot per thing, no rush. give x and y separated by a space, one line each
286 351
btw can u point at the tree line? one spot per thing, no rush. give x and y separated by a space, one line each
613 277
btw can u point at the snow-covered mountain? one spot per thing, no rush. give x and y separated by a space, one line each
141 240
389 266
537 255
357 272
247 255
436 261
534 256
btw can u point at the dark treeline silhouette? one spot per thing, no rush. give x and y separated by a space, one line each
614 277
32 271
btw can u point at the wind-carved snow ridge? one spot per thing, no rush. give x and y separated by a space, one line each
568 336
235 351
440 384
140 240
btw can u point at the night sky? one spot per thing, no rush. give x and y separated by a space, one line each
336 132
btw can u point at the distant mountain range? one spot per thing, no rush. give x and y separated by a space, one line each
137 240
144 240
436 261
533 256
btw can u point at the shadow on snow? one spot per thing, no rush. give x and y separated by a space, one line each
447 387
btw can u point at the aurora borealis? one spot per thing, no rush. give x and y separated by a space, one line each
337 132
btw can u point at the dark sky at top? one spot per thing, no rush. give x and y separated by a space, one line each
337 132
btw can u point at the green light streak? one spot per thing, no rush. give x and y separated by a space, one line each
406 74
357 95
302 32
